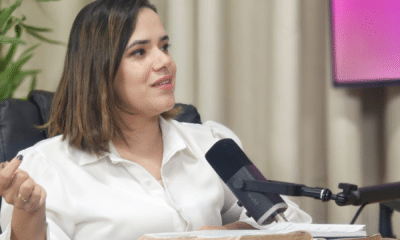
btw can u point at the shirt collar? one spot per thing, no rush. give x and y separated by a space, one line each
173 143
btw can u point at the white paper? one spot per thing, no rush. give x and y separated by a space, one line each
316 230
319 230
286 227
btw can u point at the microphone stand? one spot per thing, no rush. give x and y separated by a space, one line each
351 194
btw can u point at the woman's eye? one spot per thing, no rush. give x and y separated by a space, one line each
138 52
166 47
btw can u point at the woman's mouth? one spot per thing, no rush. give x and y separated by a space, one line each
164 83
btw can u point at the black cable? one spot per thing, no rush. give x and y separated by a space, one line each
358 213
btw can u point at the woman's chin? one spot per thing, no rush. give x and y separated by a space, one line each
165 106
169 103
170 106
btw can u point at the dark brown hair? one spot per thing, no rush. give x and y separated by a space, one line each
84 107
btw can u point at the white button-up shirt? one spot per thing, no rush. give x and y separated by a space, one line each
108 197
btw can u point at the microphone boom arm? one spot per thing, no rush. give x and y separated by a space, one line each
351 195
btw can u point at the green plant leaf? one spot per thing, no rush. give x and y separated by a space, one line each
5 91
11 73
7 26
30 49
11 51
13 69
7 77
18 20
6 13
4 39
33 82
36 29
44 39
20 77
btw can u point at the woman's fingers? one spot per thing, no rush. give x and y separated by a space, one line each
7 173
3 164
24 193
18 188
11 195
43 196
36 199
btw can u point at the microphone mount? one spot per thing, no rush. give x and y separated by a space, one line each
351 194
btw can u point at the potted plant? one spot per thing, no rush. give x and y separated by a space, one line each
11 30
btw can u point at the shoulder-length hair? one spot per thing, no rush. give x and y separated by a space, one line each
84 107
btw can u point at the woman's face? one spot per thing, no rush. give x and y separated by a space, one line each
145 80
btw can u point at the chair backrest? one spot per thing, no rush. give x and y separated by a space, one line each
19 120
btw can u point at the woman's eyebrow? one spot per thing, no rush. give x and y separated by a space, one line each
137 42
163 38
146 41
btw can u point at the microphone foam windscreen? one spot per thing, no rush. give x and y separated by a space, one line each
226 157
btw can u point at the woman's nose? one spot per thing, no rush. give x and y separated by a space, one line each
162 59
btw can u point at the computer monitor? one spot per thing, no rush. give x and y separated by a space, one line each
365 42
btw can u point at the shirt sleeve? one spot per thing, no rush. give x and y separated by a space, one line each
59 211
231 211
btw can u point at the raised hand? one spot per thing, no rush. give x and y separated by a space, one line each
18 188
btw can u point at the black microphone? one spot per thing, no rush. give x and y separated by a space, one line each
232 165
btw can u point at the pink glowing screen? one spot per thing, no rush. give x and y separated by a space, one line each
365 41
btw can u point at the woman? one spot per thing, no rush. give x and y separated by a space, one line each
120 167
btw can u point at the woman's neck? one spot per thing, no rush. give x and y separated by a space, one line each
142 135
